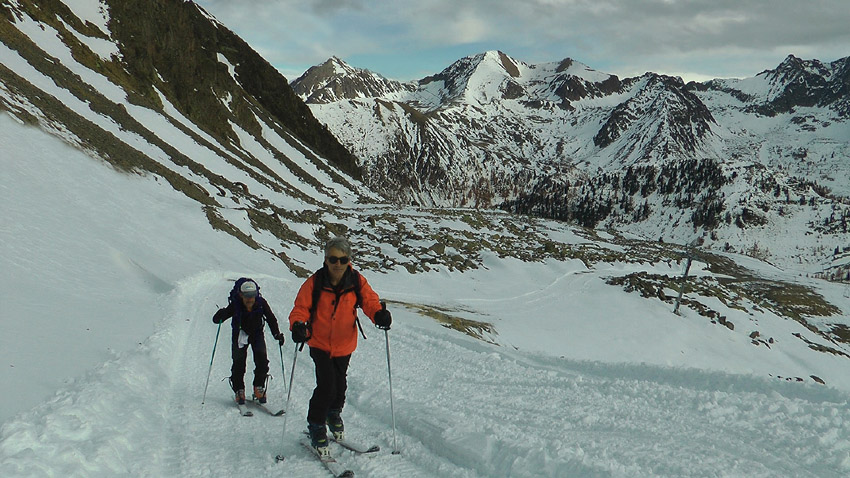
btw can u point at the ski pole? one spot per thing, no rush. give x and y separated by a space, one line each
286 413
392 408
282 368
390 375
211 362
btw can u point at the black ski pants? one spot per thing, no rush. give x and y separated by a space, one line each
331 384
257 342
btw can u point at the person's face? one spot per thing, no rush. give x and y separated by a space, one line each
336 261
248 301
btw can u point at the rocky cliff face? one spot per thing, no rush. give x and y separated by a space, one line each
175 50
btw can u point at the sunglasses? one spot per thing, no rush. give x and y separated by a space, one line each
334 259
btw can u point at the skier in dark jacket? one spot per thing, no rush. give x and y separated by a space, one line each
248 309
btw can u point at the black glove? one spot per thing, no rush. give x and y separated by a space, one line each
280 338
220 316
300 332
383 318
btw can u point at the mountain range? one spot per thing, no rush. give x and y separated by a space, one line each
728 164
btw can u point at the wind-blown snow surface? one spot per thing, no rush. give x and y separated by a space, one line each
110 281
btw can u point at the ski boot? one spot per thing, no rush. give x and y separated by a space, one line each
319 439
240 397
260 394
335 424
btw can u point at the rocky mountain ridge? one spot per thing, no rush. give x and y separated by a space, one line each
682 162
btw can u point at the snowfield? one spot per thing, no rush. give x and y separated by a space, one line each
464 408
108 338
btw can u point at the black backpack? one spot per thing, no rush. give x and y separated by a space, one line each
234 292
234 298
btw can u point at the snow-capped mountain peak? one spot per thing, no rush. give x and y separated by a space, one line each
494 76
792 84
479 78
792 68
336 80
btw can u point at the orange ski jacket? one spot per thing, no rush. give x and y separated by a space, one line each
334 327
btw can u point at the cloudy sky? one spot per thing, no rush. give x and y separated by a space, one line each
408 40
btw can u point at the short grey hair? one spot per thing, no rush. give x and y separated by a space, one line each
339 243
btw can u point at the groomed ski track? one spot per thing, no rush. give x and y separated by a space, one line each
464 408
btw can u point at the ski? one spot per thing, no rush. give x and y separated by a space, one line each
243 410
333 466
354 446
263 407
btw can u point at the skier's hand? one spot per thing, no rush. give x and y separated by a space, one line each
383 319
300 332
280 338
220 316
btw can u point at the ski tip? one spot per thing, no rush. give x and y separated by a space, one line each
279 413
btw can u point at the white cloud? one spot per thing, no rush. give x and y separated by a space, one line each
609 35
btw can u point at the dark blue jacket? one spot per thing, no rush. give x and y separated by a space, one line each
249 321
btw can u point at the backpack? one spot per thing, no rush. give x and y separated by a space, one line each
234 298
234 292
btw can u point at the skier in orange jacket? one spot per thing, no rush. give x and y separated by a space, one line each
329 326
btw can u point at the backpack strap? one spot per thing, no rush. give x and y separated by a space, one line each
318 284
356 277
236 302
